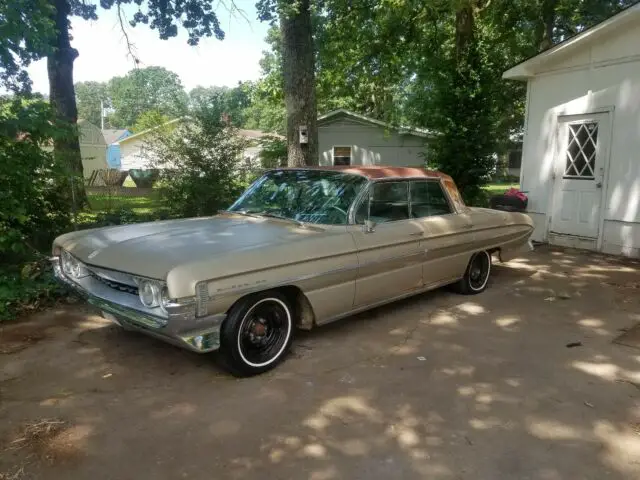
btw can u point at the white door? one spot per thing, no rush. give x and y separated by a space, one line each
580 167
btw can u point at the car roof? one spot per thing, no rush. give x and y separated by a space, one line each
378 171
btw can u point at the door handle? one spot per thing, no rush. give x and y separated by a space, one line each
416 234
468 226
599 185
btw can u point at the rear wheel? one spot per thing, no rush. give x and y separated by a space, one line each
257 334
476 276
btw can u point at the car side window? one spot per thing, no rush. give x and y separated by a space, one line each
388 202
428 199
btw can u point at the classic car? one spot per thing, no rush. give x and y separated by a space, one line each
302 247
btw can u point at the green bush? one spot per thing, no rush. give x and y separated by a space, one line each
200 163
124 216
33 205
274 152
27 289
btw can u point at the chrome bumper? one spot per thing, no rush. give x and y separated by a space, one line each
181 328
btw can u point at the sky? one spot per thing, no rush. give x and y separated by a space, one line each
103 50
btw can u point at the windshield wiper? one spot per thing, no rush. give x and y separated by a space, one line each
241 212
266 214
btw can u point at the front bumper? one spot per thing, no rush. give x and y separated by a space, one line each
182 328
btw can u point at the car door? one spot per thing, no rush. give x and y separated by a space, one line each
389 254
448 234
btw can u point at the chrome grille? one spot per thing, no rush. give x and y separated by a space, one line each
116 285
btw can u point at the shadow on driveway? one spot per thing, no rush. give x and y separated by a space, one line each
439 386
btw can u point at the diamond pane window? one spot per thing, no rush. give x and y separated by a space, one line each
581 151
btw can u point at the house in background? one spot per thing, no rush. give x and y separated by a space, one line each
580 159
93 148
347 138
134 149
112 137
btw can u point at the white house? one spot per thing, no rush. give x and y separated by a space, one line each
135 154
581 149
93 148
347 138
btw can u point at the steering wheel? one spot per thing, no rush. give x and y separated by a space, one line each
335 207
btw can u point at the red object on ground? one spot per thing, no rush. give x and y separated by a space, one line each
514 192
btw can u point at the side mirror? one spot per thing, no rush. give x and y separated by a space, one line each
369 226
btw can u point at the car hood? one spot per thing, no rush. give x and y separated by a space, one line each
153 249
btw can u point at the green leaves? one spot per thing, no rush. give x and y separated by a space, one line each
26 35
145 89
89 96
33 208
205 160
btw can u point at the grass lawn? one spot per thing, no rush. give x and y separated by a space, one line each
141 205
498 188
105 204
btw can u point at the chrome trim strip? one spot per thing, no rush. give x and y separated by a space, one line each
287 281
431 286
180 328
310 276
112 275
103 297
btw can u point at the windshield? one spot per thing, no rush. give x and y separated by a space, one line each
303 195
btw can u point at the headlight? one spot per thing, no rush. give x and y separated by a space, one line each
149 293
152 293
67 262
71 266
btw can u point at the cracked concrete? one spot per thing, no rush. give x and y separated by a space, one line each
439 386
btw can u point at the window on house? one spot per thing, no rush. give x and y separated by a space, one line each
581 151
342 155
388 202
428 199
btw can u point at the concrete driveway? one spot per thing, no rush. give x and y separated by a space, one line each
440 386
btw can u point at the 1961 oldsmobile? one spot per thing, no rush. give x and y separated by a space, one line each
300 248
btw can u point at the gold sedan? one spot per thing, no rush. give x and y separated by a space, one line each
300 248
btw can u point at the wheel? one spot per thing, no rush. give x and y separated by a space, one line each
257 334
476 276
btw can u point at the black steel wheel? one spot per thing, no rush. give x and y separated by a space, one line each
476 276
257 334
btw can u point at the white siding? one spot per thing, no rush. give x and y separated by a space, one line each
370 145
608 80
93 148
132 154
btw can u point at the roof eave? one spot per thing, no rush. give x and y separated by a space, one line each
526 69
518 73
341 112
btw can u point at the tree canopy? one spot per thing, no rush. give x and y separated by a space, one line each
144 89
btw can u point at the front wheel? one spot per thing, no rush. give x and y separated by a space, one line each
257 334
476 276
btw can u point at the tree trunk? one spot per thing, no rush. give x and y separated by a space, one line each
299 82
546 24
63 99
464 31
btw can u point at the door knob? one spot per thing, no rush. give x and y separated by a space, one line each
599 185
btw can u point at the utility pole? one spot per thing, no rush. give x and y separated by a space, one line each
101 115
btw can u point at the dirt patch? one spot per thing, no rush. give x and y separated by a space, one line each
438 386
17 339
48 441
630 338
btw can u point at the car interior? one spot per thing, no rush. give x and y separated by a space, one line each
389 202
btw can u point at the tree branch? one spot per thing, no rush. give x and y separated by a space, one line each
130 46
232 8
